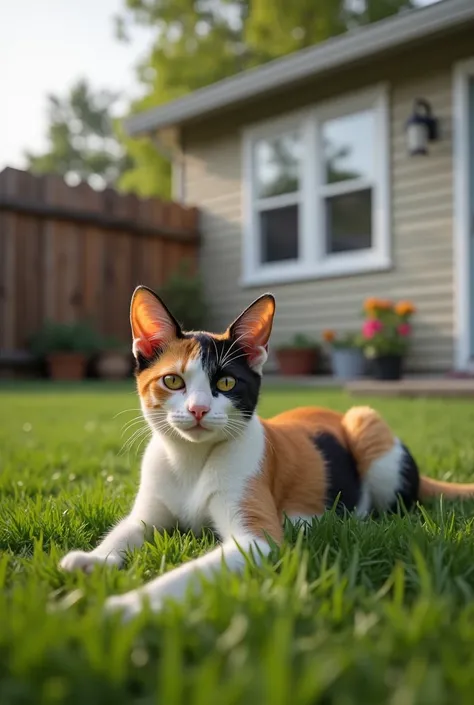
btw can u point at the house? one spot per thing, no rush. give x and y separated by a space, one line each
308 185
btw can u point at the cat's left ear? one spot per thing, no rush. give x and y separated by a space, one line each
252 329
153 326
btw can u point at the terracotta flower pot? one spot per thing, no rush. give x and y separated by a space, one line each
297 361
113 364
387 367
67 365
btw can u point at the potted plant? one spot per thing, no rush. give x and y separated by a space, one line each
66 347
386 333
113 360
184 295
347 358
298 357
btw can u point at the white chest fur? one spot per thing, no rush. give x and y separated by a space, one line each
200 485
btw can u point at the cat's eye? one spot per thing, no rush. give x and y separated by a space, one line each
225 384
173 382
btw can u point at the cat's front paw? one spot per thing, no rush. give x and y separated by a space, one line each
81 560
128 606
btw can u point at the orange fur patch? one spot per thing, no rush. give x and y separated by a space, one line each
293 480
174 360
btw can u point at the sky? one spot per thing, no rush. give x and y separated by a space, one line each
45 45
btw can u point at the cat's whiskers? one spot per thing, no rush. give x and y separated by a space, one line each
229 434
153 416
224 357
136 433
233 359
237 423
125 411
132 423
238 428
127 446
145 438
137 419
234 342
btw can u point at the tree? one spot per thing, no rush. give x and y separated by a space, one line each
82 145
149 172
199 42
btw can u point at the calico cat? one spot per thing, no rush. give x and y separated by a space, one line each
212 460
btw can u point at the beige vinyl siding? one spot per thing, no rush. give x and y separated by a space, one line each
421 232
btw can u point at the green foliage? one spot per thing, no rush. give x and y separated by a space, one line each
81 141
348 341
373 611
183 294
109 342
196 44
149 172
199 43
300 341
387 344
65 337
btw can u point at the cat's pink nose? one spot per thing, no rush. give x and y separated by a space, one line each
198 410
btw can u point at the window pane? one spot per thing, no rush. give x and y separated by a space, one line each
349 221
277 164
279 234
348 147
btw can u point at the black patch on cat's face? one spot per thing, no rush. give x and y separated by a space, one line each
142 362
214 353
341 473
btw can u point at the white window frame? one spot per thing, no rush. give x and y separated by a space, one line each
313 262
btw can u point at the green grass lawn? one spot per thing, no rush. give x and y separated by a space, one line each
364 612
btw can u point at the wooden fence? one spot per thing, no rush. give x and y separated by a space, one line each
72 253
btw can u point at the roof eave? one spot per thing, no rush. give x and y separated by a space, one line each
333 54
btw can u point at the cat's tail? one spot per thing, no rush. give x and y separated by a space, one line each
429 488
386 469
386 466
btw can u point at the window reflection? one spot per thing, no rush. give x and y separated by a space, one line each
348 147
277 165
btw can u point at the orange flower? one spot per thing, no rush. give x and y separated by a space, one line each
373 305
370 304
405 308
329 336
385 304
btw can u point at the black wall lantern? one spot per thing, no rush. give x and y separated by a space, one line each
421 128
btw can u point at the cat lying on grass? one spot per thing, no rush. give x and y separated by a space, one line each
212 460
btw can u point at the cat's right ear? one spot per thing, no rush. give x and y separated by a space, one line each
153 326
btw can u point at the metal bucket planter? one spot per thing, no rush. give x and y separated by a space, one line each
347 363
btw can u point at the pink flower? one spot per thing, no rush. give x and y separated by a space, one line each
371 328
404 329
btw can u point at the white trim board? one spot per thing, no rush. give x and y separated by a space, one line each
464 316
